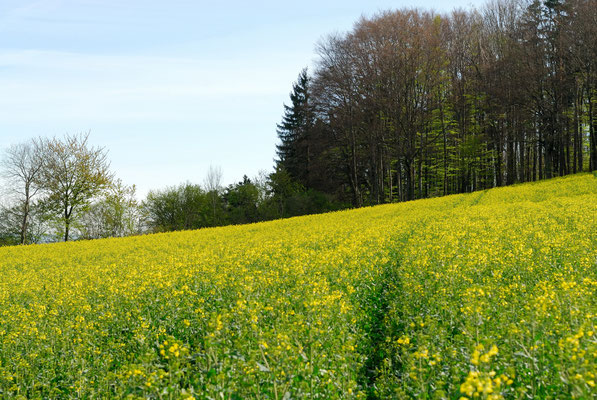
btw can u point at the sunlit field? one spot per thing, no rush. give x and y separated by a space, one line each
486 295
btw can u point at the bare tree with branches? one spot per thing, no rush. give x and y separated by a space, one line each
213 187
22 166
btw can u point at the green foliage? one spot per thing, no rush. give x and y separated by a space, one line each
287 198
242 202
177 208
11 219
295 130
73 174
9 235
116 213
188 206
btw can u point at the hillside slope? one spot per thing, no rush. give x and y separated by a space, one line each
488 295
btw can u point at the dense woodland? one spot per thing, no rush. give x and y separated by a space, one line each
411 104
408 104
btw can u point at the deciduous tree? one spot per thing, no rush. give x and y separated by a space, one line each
73 174
21 167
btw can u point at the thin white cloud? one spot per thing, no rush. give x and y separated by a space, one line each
55 85
19 10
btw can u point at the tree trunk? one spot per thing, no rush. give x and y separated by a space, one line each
410 184
498 163
25 224
66 230
391 188
576 136
399 182
67 215
510 158
593 136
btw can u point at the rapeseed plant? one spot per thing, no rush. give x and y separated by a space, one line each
485 295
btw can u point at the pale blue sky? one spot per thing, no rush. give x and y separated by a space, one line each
168 87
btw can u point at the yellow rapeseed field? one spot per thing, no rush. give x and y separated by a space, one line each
487 295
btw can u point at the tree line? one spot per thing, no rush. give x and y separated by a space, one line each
408 104
411 104
62 189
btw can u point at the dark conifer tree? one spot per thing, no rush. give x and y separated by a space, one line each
294 153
